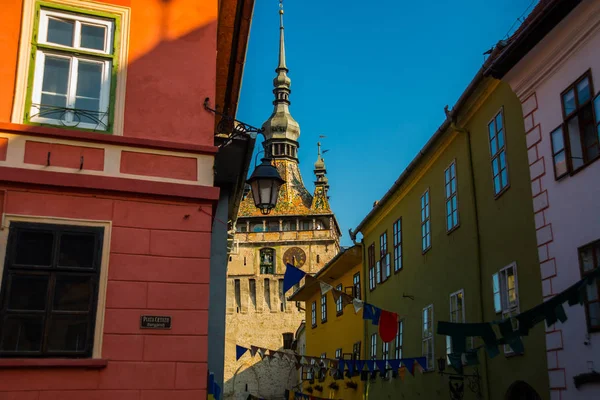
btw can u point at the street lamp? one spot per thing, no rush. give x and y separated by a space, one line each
265 183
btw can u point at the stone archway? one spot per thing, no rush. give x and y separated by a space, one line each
520 390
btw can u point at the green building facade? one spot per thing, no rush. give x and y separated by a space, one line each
454 240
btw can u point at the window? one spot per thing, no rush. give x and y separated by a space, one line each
305 225
289 226
288 340
273 226
356 283
427 337
398 341
338 354
384 257
322 370
451 197
576 142
339 309
252 284
318 259
241 227
282 303
323 308
589 259
498 152
267 261
371 260
373 346
238 297
457 314
268 293
50 290
356 351
385 351
506 298
425 222
397 245
313 314
74 67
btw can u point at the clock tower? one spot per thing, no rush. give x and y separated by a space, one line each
301 230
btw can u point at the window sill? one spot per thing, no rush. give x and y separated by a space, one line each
87 363
339 313
455 227
501 192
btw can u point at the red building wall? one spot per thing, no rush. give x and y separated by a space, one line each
159 265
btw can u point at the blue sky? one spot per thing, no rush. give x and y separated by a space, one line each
373 77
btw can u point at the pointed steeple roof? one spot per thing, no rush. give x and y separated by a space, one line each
281 124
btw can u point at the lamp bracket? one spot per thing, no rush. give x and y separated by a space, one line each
232 127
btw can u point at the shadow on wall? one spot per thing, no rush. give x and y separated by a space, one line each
262 379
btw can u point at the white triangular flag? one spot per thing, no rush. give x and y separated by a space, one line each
358 304
325 287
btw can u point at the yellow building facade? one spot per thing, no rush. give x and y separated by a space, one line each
334 331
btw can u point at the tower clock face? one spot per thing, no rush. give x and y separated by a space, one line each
295 256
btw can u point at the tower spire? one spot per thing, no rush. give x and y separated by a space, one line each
281 130
281 39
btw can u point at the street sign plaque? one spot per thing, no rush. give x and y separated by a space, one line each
155 322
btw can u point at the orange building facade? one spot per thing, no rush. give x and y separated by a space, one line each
109 191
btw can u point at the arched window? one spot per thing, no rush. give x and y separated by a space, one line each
267 261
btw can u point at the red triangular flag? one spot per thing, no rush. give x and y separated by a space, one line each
388 326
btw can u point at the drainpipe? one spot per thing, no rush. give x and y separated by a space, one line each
479 274
364 287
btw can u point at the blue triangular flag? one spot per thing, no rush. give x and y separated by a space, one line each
394 364
371 312
422 362
351 367
211 383
360 365
371 365
239 352
380 365
217 393
292 276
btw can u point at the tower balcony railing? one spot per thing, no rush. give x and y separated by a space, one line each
285 235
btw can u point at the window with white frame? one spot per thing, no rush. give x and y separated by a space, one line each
373 346
457 314
313 314
498 152
451 190
425 222
385 268
506 295
398 341
371 260
339 309
385 351
427 336
397 245
73 72
356 283
338 354
323 308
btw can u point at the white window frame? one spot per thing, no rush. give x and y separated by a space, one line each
508 309
323 308
425 221
427 336
339 309
451 197
499 150
71 54
313 317
397 238
338 353
373 346
456 320
399 340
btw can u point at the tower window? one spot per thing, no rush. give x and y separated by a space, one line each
267 261
288 339
238 296
252 283
268 293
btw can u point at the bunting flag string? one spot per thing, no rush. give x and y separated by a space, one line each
387 333
318 363
551 311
